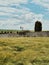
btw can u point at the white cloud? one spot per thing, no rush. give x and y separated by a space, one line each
32 16
45 25
26 19
6 2
44 3
17 17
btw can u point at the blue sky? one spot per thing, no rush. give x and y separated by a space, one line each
24 13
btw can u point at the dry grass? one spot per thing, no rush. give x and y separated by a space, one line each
24 51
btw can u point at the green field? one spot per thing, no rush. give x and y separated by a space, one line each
24 51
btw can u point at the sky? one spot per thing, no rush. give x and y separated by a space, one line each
24 13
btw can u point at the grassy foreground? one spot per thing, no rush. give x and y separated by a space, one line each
24 51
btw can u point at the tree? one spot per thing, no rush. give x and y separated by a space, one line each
38 26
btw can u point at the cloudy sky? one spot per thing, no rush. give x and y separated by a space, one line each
16 13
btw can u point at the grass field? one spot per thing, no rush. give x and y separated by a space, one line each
24 51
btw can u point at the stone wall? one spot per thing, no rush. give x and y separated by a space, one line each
28 34
38 34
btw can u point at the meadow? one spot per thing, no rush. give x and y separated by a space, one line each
24 51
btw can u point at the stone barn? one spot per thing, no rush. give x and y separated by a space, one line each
38 26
